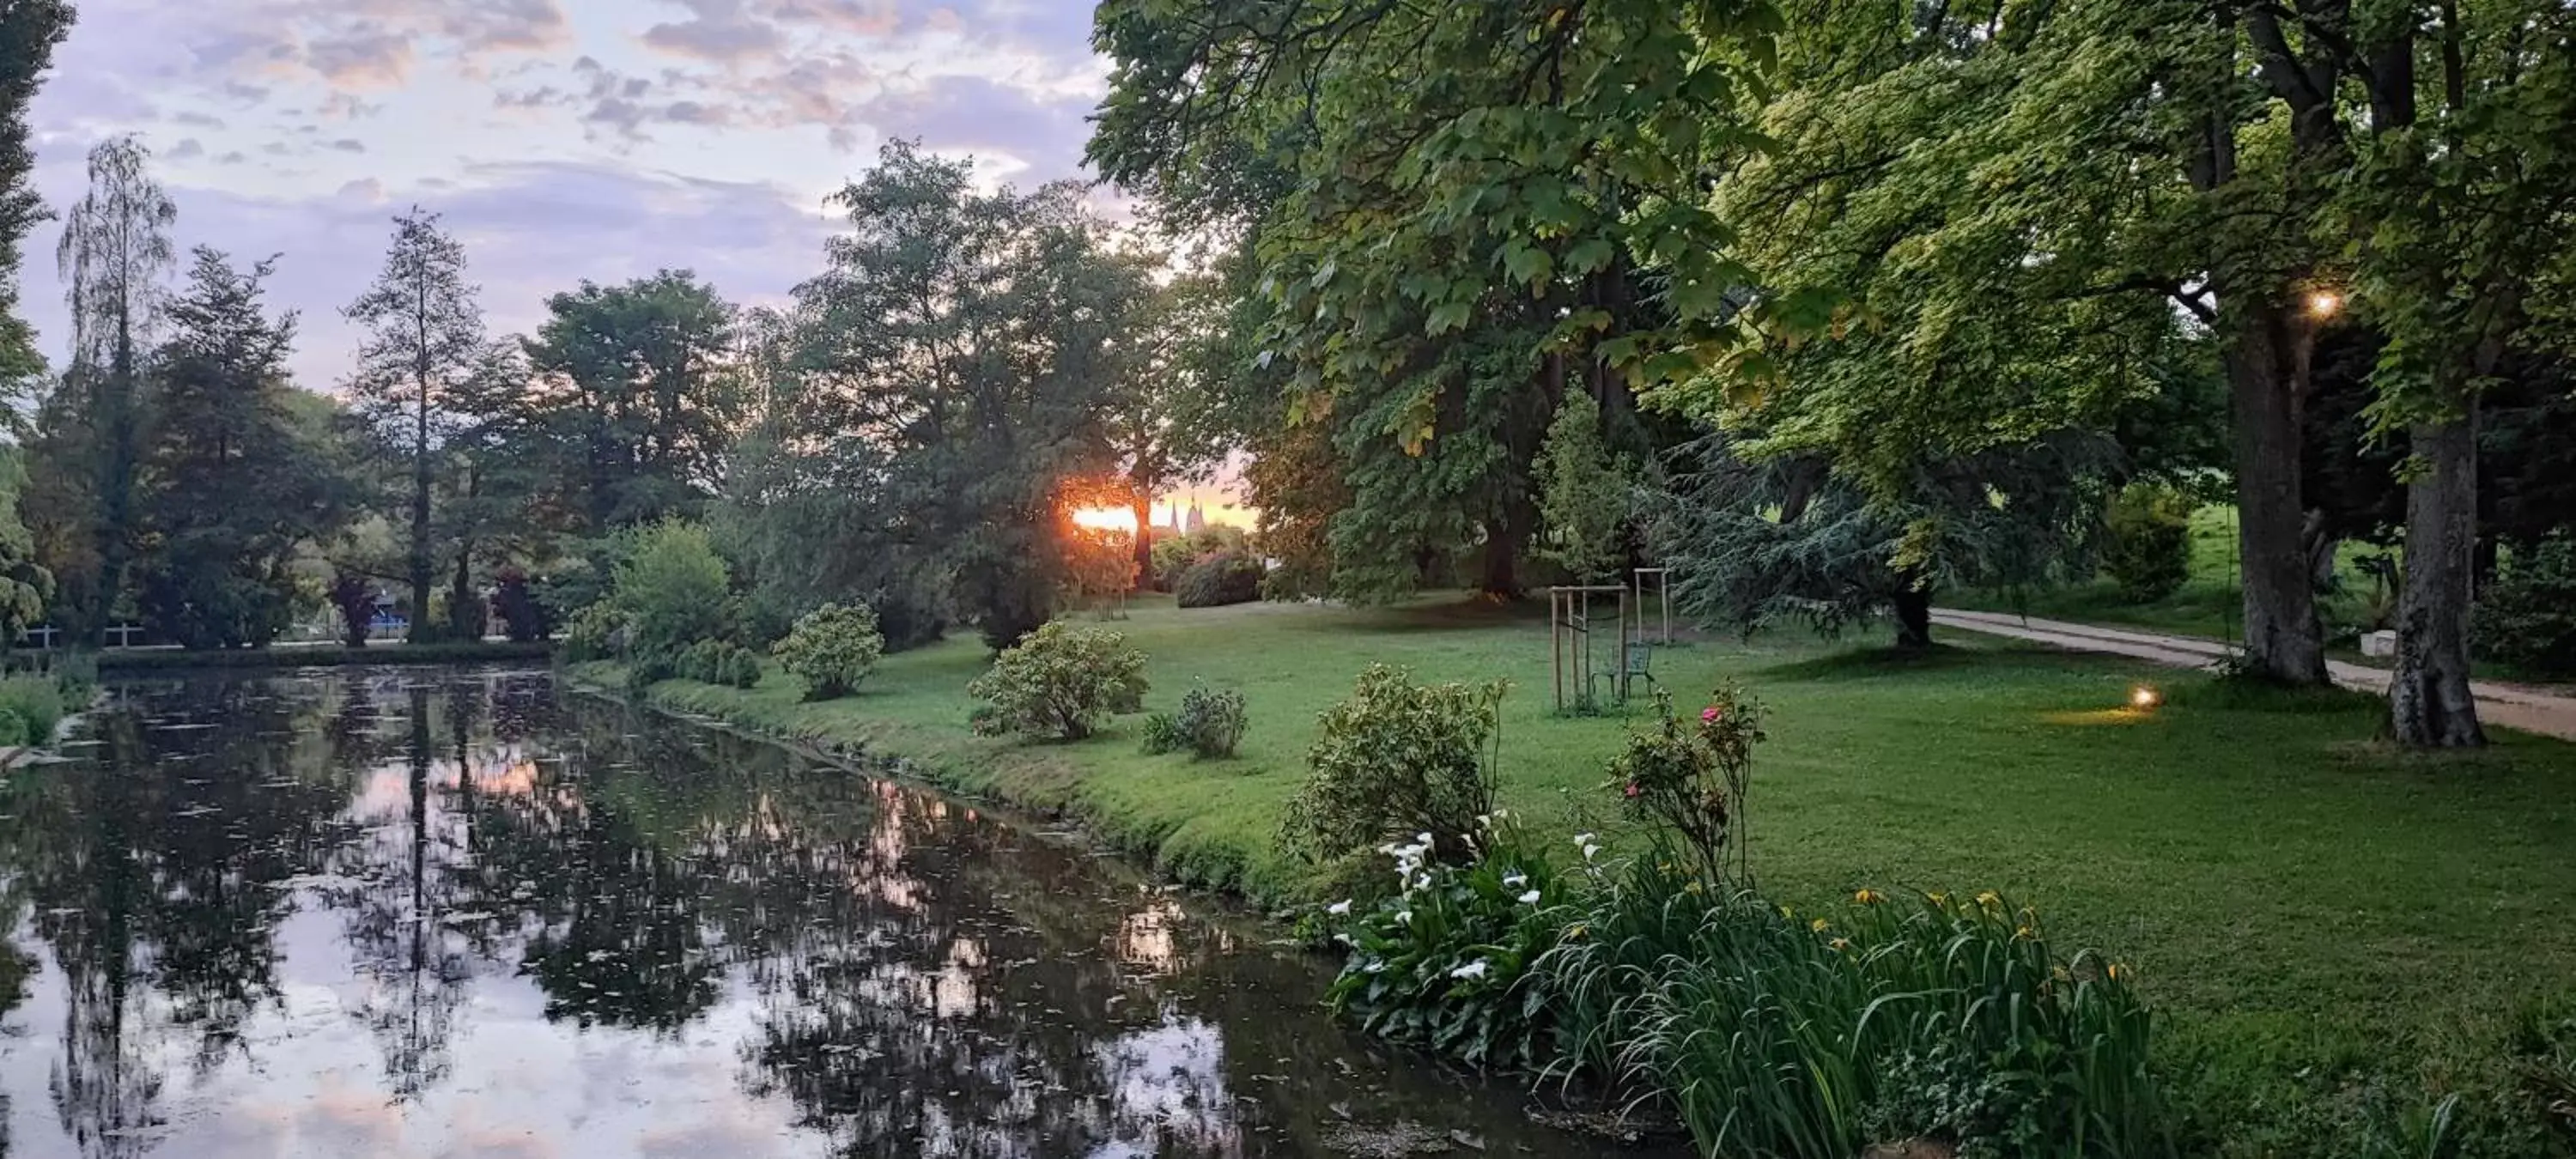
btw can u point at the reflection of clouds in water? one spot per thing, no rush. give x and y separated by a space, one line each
1167 1091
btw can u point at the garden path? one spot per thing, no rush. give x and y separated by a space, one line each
2512 706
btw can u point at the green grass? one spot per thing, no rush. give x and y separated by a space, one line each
2210 603
2287 891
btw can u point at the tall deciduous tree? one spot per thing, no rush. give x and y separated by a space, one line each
115 255
2009 204
957 357
2463 211
1583 494
232 488
1461 213
1168 421
635 399
424 342
29 30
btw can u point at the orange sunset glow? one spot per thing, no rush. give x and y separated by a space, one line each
1219 510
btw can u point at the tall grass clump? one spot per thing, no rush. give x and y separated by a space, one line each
1887 1019
31 705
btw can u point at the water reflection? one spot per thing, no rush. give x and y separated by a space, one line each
390 915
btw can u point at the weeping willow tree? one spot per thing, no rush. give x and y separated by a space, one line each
1753 542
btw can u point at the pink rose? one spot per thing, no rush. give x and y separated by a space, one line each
1633 790
1710 714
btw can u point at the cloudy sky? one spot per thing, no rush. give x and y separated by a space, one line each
562 139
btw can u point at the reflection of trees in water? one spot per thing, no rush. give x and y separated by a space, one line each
922 982
155 877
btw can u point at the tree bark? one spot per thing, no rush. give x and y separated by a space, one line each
1142 503
421 628
2267 379
1913 613
2429 701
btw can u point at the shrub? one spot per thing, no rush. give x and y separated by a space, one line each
1445 963
1395 758
522 614
596 632
1059 682
832 649
1228 577
37 701
703 662
1174 554
13 728
2527 616
1690 780
740 667
355 597
671 588
1212 723
2147 541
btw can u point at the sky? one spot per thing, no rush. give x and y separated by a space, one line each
562 140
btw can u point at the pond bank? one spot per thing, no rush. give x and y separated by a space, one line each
146 661
1038 779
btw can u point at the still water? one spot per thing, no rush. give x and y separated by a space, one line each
391 914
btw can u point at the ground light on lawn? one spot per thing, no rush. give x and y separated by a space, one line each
2291 894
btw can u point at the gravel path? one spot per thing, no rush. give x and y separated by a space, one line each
2508 705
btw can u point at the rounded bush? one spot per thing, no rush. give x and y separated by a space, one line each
832 649
2527 617
13 728
1227 577
1059 682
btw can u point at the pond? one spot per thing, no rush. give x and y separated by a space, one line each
392 914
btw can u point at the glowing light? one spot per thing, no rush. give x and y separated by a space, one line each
1105 519
2143 698
2325 303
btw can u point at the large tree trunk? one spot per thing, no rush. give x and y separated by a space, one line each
2429 702
1142 503
1913 615
2267 377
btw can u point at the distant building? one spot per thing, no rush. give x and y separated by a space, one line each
1198 519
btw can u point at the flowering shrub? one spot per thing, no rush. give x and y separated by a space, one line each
1445 963
1058 683
1690 779
832 649
1395 757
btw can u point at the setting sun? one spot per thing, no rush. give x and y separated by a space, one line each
1106 519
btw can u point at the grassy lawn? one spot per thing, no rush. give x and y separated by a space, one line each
2284 888
2209 604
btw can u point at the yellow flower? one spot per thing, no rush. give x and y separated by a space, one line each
1866 897
1841 943
2116 971
1691 888
2023 934
1819 925
1939 899
1989 899
1574 933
